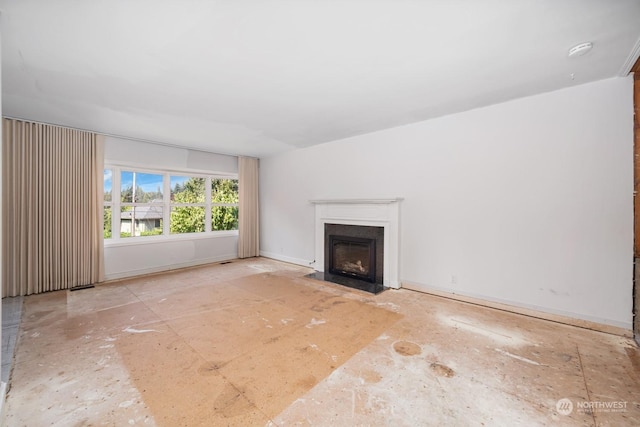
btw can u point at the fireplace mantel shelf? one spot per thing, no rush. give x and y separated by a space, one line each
356 201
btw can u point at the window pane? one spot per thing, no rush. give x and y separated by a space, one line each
148 187
185 189
224 218
224 190
107 185
126 186
107 222
126 216
187 219
141 221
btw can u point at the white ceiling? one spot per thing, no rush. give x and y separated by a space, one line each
260 77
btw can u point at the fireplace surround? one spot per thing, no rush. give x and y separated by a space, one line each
380 214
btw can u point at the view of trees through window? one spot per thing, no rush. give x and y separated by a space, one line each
188 200
224 196
190 207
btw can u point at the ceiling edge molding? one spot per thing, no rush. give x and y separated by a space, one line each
627 67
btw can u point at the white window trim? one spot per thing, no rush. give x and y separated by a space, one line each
166 236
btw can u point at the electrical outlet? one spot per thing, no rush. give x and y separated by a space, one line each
454 279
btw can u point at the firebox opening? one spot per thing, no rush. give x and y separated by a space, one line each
353 257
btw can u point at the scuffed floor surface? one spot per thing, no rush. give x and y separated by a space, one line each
253 342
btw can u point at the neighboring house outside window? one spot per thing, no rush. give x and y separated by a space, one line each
148 221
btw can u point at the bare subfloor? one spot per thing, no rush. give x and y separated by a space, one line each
253 342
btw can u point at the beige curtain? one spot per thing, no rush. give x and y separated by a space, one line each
52 200
248 220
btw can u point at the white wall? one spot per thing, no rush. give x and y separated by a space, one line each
528 202
131 257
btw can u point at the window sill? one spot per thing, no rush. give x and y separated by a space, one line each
147 240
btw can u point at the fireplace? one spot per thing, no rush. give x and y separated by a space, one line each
370 219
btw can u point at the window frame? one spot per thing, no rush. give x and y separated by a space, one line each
116 205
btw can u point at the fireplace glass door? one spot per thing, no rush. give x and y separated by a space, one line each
353 257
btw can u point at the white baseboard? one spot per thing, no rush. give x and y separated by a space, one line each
596 324
143 271
290 260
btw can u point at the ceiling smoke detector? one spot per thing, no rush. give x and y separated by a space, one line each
580 49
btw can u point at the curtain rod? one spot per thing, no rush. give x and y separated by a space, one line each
129 138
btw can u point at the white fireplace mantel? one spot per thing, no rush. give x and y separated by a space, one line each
366 212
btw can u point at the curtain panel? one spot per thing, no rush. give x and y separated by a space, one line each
248 219
52 208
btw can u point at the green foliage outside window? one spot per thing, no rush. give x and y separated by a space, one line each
188 219
224 217
154 232
107 222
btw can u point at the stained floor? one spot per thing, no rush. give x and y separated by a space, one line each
254 342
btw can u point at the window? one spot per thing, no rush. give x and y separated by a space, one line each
140 203
187 204
224 199
107 204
